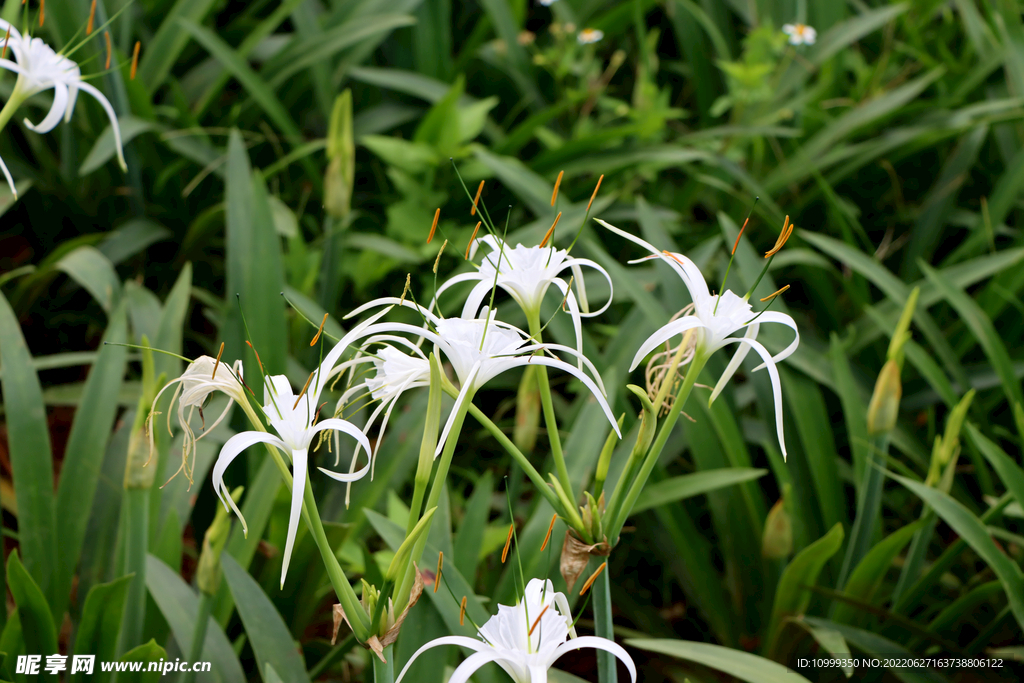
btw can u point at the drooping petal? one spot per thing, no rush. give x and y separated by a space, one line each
7 175
563 608
343 426
363 329
462 641
101 98
52 118
598 644
228 452
299 464
465 394
472 663
583 359
581 376
449 283
782 318
575 264
72 99
663 334
734 364
773 372
475 298
15 33
574 314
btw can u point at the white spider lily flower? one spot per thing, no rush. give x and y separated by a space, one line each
800 34
526 273
294 419
525 640
714 322
201 378
39 68
480 349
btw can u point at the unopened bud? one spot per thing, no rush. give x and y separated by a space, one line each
340 177
885 401
777 540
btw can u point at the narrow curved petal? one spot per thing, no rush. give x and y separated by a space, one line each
462 641
581 376
598 644
773 372
228 452
574 313
392 301
465 394
72 99
576 263
6 26
782 318
663 334
471 664
7 175
101 98
299 464
343 426
475 298
490 240
734 364
687 269
449 283
11 66
582 358
363 329
52 118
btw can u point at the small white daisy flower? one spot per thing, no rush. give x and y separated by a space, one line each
589 35
800 34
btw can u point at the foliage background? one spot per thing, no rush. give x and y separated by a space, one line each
894 143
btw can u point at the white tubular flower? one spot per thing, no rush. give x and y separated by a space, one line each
714 322
480 349
294 419
526 273
39 68
525 640
201 378
800 34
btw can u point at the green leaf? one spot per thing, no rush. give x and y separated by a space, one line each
148 654
867 577
1009 472
95 273
164 48
831 641
413 157
471 534
875 645
743 665
100 624
86 449
271 641
689 485
180 606
104 149
29 442
844 34
37 623
973 531
529 187
130 238
254 270
172 324
793 594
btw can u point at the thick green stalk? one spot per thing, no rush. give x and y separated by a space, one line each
636 488
195 653
384 672
427 445
10 107
136 509
604 626
869 504
549 413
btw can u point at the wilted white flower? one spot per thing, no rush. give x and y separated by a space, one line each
525 640
39 68
589 35
800 34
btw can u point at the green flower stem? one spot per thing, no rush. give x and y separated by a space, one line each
199 634
651 459
384 672
604 626
427 446
357 617
136 545
11 106
549 412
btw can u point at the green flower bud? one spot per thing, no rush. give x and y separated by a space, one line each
885 401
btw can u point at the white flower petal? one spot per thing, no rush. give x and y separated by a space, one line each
576 263
228 452
589 383
299 463
464 395
773 372
57 109
574 315
462 641
471 664
734 364
10 180
105 103
663 334
687 269
598 644
782 318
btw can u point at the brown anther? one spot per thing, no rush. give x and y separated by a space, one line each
405 290
258 361
135 59
787 230
462 611
6 39
558 181
594 196
593 578
508 542
433 226
537 620
110 48
216 364
42 12
440 563
737 242
319 331
772 296
473 238
438 259
303 392
551 231
479 189
92 18
547 537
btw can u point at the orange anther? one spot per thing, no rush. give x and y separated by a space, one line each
303 392
787 230
775 294
537 620
92 18
479 189
558 181
593 196
547 537
462 611
316 338
433 226
440 563
217 363
110 48
593 578
508 542
551 230
135 59
257 356
471 239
